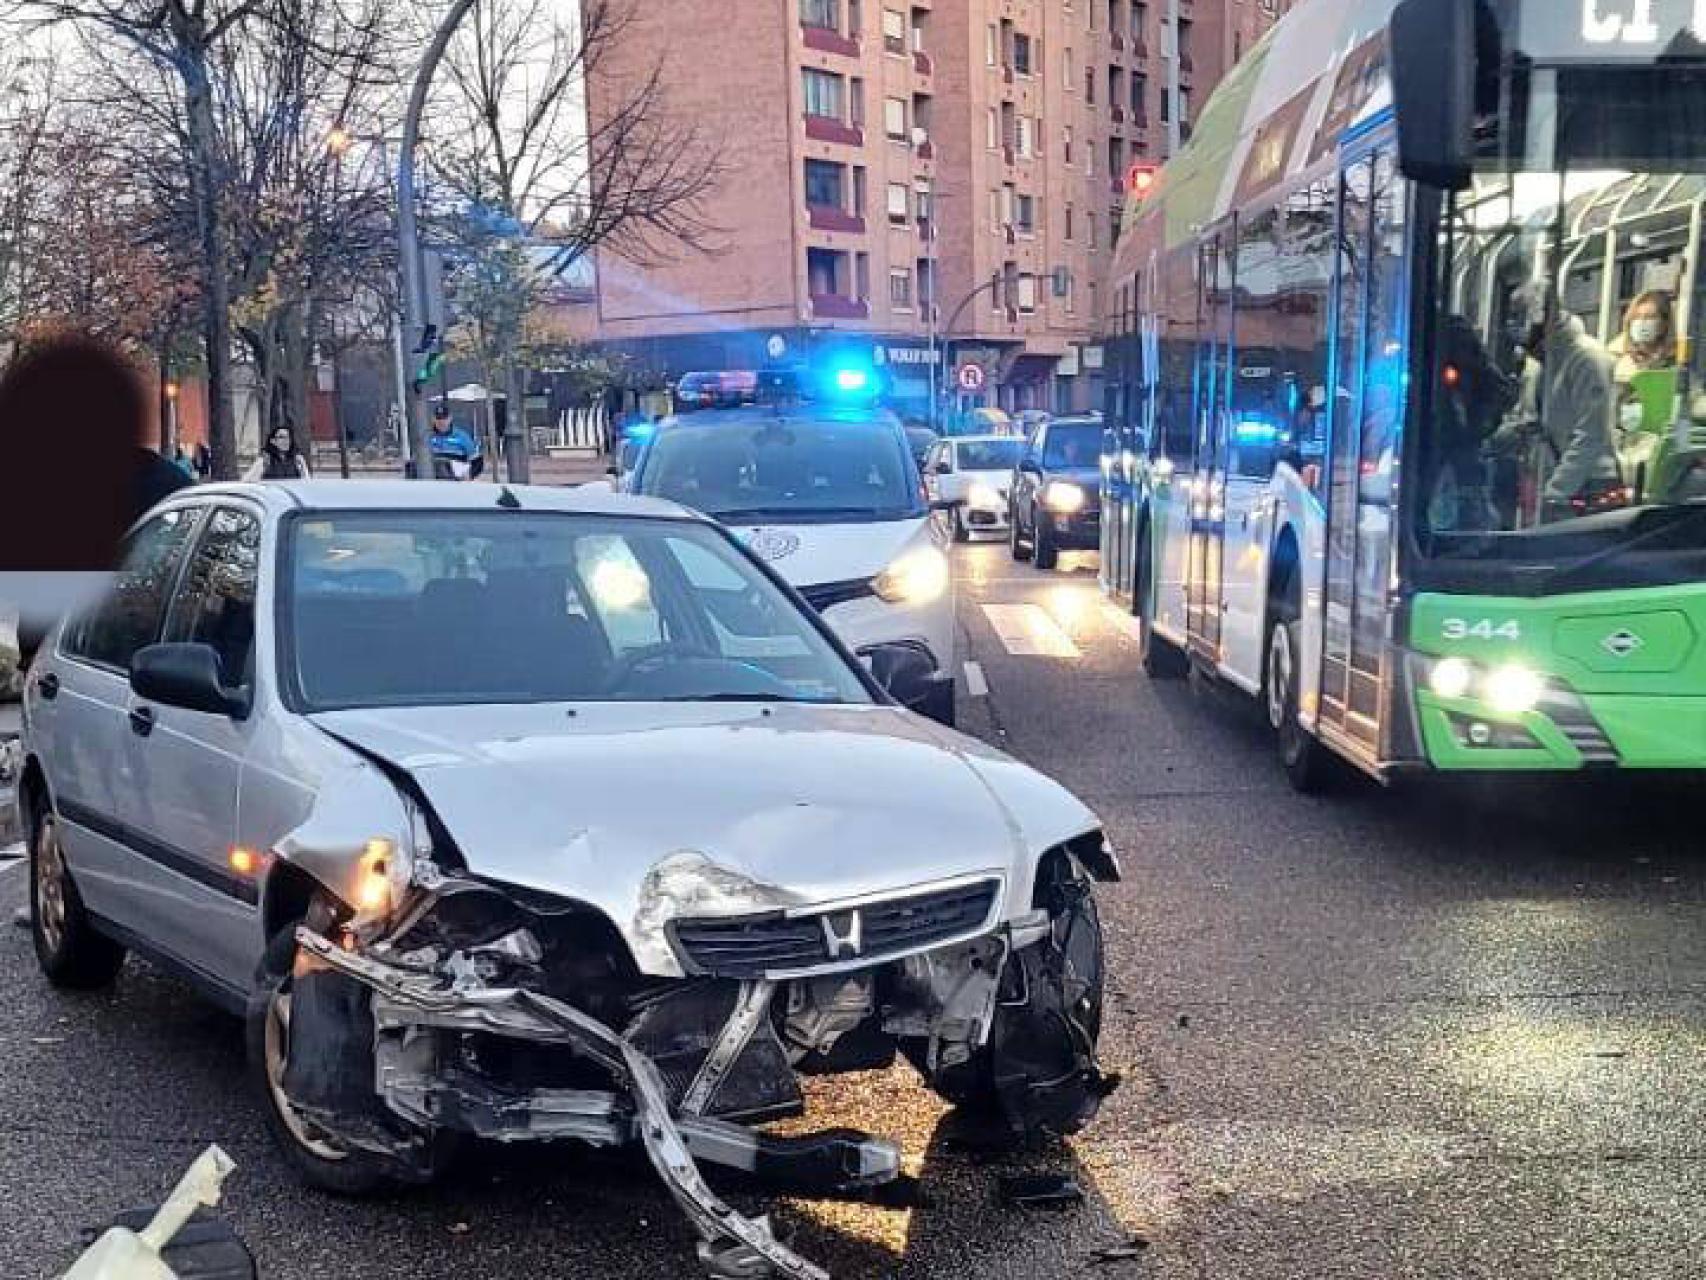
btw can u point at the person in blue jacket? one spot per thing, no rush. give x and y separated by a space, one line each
455 451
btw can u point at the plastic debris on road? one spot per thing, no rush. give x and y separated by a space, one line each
123 1254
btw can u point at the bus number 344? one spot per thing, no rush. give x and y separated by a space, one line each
1480 629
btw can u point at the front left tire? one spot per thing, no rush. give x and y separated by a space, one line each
72 953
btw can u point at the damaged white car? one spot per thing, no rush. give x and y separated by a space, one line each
539 815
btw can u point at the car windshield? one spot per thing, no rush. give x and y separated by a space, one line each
410 608
1567 441
1075 444
988 455
784 470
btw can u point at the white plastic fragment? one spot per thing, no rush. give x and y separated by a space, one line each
123 1254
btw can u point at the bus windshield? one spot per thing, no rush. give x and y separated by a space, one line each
1567 443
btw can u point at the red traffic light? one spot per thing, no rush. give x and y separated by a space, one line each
1140 178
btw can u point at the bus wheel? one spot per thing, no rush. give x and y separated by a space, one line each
1162 660
1301 753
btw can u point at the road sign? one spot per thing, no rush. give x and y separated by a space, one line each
969 378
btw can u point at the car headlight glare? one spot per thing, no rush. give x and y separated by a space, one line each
1451 678
1062 498
983 496
1512 688
916 577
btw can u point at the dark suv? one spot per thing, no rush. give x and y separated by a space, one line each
1056 502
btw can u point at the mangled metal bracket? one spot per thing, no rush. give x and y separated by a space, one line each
733 1245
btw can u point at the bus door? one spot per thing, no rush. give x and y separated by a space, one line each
1215 257
1367 414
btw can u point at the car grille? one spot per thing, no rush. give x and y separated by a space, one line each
822 595
751 946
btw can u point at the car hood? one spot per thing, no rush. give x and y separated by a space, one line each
810 554
1089 477
646 811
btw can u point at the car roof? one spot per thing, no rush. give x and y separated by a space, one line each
987 438
758 415
434 495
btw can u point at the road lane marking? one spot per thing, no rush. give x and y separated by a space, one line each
977 686
1027 630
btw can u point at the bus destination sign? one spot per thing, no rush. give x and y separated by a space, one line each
1610 30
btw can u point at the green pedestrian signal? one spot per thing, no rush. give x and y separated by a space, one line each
429 369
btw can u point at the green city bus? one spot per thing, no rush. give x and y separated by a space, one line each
1406 422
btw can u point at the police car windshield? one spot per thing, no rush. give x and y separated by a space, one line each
784 470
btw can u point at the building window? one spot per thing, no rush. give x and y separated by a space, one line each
825 184
900 289
1024 136
856 103
1116 157
859 189
993 129
1090 227
855 17
824 269
821 13
824 94
924 206
1066 143
1024 214
1069 294
992 45
894 118
1068 72
894 32
1007 201
899 202
1166 106
1068 223
920 20
1021 53
1027 292
862 275
926 284
1090 85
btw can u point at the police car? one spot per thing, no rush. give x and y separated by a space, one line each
827 493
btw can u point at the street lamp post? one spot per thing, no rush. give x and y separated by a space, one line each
408 233
988 286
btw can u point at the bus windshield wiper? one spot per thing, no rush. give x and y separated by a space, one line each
1570 572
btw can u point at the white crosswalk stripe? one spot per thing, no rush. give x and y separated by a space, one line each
1027 630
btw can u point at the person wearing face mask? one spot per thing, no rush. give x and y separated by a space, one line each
1648 340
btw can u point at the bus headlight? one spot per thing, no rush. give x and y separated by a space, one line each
1062 498
985 497
916 577
1512 688
1451 677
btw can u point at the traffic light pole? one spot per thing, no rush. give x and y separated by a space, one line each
408 234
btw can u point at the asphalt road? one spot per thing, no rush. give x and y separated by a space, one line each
1452 1031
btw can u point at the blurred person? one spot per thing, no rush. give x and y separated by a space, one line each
181 461
455 452
280 459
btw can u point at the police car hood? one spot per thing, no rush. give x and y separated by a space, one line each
810 554
650 811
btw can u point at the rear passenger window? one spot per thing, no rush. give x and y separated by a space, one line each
129 617
217 604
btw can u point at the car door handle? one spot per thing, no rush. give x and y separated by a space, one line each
48 686
142 721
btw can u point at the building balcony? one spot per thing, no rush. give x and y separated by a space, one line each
1117 114
1186 66
921 63
832 306
1007 156
1116 42
829 129
926 150
1007 73
1117 186
824 40
1138 48
826 217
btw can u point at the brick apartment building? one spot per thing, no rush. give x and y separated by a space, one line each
923 183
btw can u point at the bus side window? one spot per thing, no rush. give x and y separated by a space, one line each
1259 420
1178 358
1301 340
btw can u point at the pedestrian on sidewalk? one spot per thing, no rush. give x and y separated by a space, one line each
280 459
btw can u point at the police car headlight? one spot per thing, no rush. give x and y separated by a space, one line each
916 577
984 496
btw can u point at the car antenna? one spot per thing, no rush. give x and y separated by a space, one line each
507 500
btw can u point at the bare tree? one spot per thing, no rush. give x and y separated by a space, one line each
514 142
183 38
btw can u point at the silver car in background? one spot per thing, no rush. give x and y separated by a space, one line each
536 815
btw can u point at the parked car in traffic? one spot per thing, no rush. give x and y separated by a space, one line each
377 766
972 477
829 497
715 389
1056 499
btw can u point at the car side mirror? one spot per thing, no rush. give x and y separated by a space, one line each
909 677
1434 55
183 675
943 468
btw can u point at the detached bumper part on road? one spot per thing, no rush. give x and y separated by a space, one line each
477 1016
